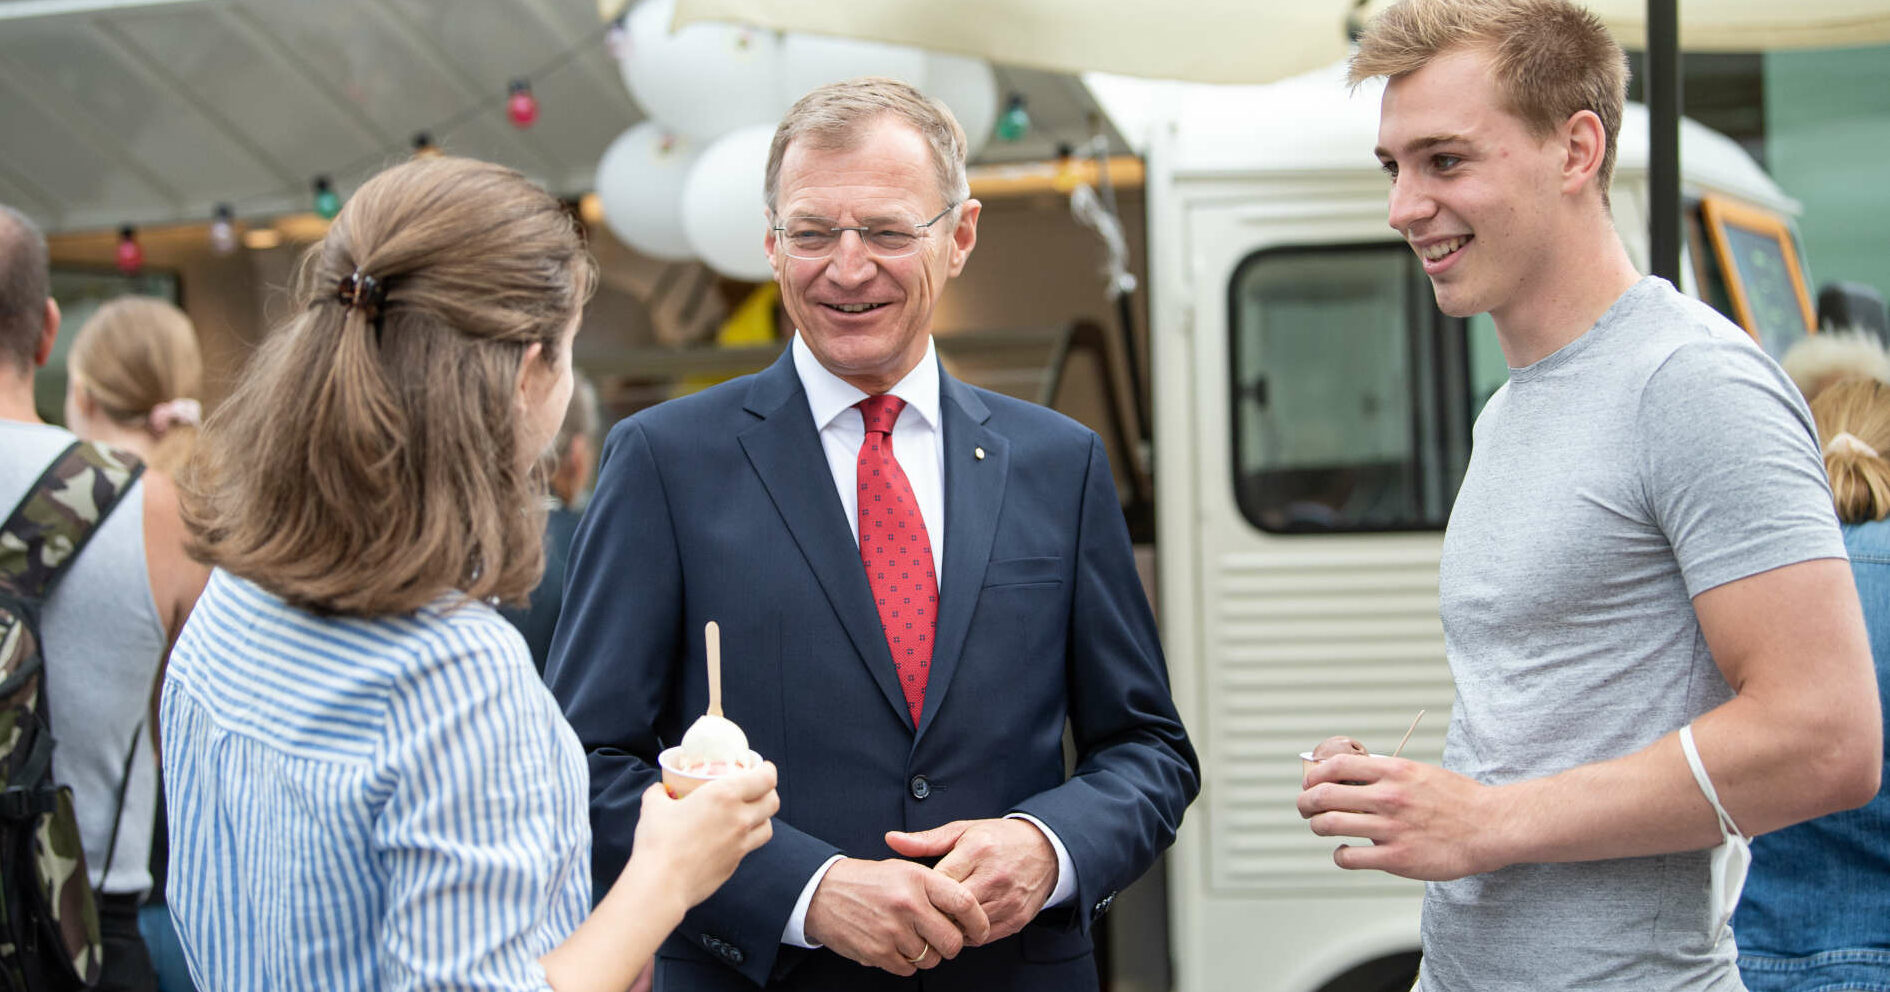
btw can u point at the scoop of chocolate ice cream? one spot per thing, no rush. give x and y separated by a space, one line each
1334 746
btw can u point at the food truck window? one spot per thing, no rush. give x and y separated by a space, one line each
1350 394
1757 260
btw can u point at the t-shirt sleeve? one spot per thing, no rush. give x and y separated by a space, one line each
484 839
1731 467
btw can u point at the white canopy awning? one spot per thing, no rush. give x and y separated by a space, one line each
1244 41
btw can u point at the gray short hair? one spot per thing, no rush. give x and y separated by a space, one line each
832 117
581 416
25 283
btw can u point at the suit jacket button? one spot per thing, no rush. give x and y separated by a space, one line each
920 787
1102 906
733 954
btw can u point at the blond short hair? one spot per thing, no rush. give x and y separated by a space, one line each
1550 59
1860 481
1816 361
367 463
833 117
133 354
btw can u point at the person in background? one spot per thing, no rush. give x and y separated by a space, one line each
1654 637
571 460
1815 361
1816 909
370 788
104 629
132 378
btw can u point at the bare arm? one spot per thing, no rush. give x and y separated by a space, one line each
176 578
685 849
1801 738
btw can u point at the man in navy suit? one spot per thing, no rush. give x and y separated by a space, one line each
918 583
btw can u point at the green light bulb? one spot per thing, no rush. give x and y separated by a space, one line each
327 202
1015 121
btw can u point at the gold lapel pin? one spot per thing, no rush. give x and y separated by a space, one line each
978 453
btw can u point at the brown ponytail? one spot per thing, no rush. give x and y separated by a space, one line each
368 461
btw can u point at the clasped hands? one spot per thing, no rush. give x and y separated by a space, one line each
991 878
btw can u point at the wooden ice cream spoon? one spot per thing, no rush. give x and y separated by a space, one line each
712 639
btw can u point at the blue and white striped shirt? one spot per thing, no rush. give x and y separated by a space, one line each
387 803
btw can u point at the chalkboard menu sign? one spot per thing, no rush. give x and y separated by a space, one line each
1759 261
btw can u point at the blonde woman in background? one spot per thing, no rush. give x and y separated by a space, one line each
132 378
132 381
1812 916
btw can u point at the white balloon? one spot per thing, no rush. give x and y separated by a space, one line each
809 61
724 216
970 89
706 79
640 181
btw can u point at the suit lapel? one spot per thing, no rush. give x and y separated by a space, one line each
974 491
784 448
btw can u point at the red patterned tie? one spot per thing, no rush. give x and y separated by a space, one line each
896 551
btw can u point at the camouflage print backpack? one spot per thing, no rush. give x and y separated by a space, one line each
49 934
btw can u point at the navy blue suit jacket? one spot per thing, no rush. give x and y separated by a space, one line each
720 506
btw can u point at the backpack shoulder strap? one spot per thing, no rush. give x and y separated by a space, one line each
59 514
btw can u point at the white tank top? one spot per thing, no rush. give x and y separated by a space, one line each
102 640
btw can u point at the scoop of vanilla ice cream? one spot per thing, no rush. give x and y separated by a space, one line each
714 738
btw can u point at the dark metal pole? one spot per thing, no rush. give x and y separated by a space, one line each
1664 100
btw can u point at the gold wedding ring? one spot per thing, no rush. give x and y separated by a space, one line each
921 957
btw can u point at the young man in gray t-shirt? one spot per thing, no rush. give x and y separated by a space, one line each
1644 541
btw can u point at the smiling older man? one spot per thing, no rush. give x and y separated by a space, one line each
919 583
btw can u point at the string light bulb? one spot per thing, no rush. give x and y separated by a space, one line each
327 201
130 256
521 107
1068 175
223 230
1014 123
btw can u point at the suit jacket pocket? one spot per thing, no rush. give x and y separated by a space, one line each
1044 944
1047 571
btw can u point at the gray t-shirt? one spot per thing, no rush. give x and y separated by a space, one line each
1657 456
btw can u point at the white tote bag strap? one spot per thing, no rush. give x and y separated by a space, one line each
1727 828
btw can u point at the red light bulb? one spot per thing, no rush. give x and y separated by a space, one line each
522 106
130 256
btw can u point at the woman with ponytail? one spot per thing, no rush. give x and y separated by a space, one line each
369 785
132 381
1813 914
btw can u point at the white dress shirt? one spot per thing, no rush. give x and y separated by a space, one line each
918 447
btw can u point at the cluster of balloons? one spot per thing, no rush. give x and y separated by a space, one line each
686 183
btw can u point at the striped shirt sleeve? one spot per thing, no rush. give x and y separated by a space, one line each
480 801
